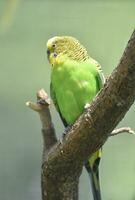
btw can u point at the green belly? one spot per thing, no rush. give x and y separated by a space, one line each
74 86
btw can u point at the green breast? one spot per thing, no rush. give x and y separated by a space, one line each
74 84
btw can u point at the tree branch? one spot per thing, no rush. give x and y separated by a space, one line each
63 164
122 130
42 107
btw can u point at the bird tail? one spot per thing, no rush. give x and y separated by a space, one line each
92 168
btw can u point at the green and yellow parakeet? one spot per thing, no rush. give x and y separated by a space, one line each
75 79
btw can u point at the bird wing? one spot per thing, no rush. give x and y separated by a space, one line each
53 96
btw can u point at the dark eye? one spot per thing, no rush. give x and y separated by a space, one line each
54 45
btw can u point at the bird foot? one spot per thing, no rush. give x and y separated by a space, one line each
67 129
87 105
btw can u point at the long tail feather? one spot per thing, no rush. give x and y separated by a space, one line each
93 171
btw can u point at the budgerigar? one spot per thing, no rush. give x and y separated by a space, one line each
75 79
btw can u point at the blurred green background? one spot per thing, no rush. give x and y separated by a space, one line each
104 27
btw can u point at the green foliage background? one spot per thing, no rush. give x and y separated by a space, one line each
104 27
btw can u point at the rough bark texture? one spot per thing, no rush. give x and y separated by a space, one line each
62 165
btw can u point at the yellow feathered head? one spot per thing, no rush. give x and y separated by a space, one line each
60 47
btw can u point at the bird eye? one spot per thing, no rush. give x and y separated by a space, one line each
54 45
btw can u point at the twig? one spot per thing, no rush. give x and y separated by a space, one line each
34 106
122 130
42 107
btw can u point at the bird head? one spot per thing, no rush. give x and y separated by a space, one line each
61 47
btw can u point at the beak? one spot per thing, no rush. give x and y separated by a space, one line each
48 53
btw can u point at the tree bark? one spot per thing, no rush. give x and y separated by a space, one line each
63 162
